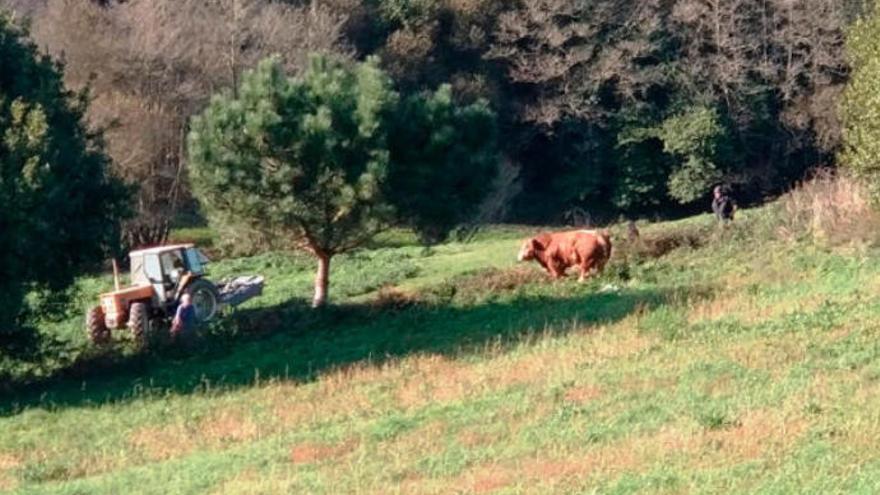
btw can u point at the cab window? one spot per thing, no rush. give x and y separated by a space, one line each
195 260
176 262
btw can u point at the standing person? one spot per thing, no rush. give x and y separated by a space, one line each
184 322
723 205
632 232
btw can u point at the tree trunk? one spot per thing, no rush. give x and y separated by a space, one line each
322 279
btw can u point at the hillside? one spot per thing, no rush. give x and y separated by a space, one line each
703 362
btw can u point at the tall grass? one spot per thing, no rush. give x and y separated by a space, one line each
833 208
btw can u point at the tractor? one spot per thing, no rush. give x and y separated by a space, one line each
159 277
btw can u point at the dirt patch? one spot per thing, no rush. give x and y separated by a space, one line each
8 464
534 368
343 392
747 309
296 411
488 479
756 435
435 378
839 334
170 441
307 453
583 394
160 443
227 426
625 455
471 438
9 461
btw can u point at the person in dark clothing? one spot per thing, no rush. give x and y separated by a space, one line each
723 205
183 326
632 232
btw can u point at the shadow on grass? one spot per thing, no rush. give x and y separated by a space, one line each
291 342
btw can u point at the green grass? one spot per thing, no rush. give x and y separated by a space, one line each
724 365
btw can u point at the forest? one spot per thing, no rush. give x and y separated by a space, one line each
604 107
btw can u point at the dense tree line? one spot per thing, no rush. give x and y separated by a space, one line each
610 106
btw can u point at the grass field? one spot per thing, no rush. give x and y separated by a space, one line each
712 363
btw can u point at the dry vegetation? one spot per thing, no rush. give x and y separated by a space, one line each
831 207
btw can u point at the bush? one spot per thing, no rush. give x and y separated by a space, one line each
833 208
860 106
60 209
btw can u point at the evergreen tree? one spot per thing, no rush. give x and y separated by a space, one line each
59 209
307 160
443 158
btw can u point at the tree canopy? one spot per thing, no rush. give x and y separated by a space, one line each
443 159
860 107
60 208
311 160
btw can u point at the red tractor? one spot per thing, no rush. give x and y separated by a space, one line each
159 276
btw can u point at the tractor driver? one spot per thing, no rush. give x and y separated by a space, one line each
174 269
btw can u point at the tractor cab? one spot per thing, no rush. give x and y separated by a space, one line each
167 270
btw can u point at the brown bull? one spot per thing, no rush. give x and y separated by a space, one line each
588 250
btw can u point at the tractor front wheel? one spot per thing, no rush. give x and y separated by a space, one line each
205 299
139 322
96 327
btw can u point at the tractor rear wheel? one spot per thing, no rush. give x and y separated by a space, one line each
205 299
139 322
96 326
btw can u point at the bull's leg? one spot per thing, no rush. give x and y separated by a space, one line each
586 270
555 270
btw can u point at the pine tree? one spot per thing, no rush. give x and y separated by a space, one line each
307 160
302 158
444 158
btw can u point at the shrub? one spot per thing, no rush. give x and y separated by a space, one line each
860 106
833 208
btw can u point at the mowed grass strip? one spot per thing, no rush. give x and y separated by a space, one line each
708 370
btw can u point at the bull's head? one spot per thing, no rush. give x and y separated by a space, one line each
529 249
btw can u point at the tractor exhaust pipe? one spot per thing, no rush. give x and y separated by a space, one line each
115 274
